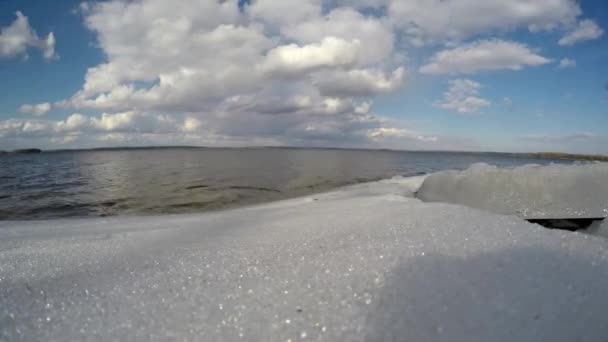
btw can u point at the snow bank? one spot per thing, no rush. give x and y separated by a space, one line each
532 191
599 229
364 263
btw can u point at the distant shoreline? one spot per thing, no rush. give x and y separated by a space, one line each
565 156
543 155
22 151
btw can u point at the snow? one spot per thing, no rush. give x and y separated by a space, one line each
599 229
367 262
531 191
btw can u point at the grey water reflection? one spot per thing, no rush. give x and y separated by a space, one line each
176 180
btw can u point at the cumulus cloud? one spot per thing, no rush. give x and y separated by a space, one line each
462 96
37 109
384 133
331 52
375 34
585 30
455 20
282 71
302 72
191 125
280 13
19 36
335 124
231 52
124 122
359 82
567 63
483 55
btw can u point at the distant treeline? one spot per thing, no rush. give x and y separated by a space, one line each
22 151
568 156
547 155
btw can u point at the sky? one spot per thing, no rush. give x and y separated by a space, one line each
493 75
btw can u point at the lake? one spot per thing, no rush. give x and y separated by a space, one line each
155 181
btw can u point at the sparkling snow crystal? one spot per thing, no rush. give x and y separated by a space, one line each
368 262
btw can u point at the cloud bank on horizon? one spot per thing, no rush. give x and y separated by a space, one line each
292 72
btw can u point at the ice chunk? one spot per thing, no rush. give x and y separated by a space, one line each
363 263
532 191
599 229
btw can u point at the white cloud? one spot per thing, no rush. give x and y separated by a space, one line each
455 20
191 124
301 72
384 133
483 55
374 34
359 82
74 123
124 122
19 36
462 97
280 13
585 30
333 123
134 121
37 109
329 53
230 53
274 71
567 63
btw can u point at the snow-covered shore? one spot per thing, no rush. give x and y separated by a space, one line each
530 191
367 262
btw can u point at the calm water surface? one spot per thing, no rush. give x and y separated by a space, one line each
176 180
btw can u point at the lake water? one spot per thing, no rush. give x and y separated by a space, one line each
178 180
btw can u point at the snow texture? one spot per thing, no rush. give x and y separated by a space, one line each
599 229
531 191
368 262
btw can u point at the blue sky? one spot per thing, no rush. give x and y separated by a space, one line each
350 73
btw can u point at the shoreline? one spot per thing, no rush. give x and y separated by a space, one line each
511 176
363 262
540 155
365 188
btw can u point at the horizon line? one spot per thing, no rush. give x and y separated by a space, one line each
542 154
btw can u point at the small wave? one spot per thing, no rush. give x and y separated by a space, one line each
201 186
113 202
33 196
54 210
329 184
254 188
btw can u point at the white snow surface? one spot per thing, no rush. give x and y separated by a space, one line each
531 191
368 262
